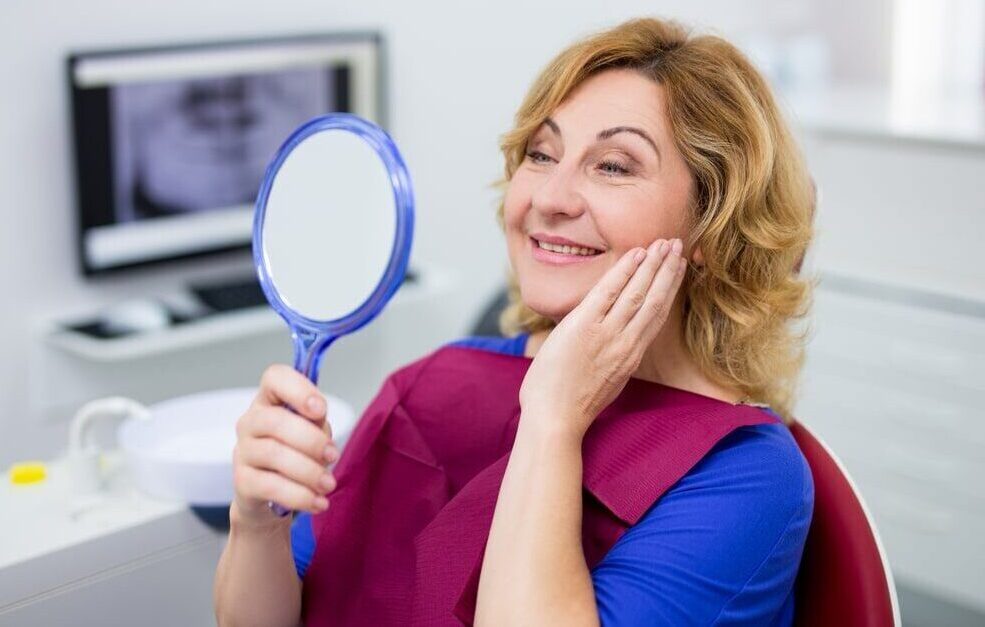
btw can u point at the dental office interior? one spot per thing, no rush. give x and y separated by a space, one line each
135 330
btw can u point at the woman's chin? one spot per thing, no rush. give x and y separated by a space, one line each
552 308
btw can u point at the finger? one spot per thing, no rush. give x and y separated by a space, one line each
266 485
283 385
292 430
327 428
600 298
634 294
660 296
270 454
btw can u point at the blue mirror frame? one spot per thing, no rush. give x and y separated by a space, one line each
310 336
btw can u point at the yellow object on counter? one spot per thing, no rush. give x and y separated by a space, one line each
26 473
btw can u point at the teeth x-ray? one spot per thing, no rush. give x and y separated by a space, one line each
193 145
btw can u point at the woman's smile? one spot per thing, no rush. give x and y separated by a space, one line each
559 254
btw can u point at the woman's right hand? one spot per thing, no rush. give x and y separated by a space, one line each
281 455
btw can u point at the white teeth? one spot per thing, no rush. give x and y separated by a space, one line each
568 250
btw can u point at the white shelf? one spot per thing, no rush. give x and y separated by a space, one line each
873 112
216 328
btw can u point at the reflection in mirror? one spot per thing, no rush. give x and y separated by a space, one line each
329 226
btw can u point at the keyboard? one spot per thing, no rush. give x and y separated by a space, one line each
231 295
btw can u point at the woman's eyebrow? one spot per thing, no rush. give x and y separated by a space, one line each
609 132
553 126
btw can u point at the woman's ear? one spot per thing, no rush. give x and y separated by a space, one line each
697 257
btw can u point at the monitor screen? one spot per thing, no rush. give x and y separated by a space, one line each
171 144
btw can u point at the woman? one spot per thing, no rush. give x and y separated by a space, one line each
655 212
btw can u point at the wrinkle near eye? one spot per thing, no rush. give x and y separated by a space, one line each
538 157
618 149
617 163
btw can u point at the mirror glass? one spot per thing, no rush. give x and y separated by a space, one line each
330 225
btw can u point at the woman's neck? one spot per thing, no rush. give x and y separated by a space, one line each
667 362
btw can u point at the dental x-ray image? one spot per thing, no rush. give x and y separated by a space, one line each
193 145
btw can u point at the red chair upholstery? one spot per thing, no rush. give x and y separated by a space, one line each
844 578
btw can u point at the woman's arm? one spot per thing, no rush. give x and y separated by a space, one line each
534 570
256 582
279 456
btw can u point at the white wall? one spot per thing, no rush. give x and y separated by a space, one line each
457 72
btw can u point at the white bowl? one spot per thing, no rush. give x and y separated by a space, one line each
184 450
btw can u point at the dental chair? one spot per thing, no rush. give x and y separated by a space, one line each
844 577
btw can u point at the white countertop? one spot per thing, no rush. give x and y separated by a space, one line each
50 516
119 558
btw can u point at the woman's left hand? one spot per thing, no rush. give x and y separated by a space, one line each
587 359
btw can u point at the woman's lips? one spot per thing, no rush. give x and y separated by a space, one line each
557 259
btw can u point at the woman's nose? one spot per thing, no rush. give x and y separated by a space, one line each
559 194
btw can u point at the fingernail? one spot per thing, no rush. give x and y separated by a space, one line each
640 255
678 246
327 482
315 404
331 453
663 247
321 503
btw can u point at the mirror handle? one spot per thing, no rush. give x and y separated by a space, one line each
308 349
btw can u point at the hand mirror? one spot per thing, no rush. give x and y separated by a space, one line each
332 232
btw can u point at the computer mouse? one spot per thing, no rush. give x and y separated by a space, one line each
135 316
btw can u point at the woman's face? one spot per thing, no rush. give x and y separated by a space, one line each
602 172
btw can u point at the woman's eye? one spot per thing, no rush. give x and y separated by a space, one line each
612 168
538 157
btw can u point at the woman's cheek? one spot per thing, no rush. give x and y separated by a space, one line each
511 212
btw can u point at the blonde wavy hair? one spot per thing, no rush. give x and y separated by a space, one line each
751 211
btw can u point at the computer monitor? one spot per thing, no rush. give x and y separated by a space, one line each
171 143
